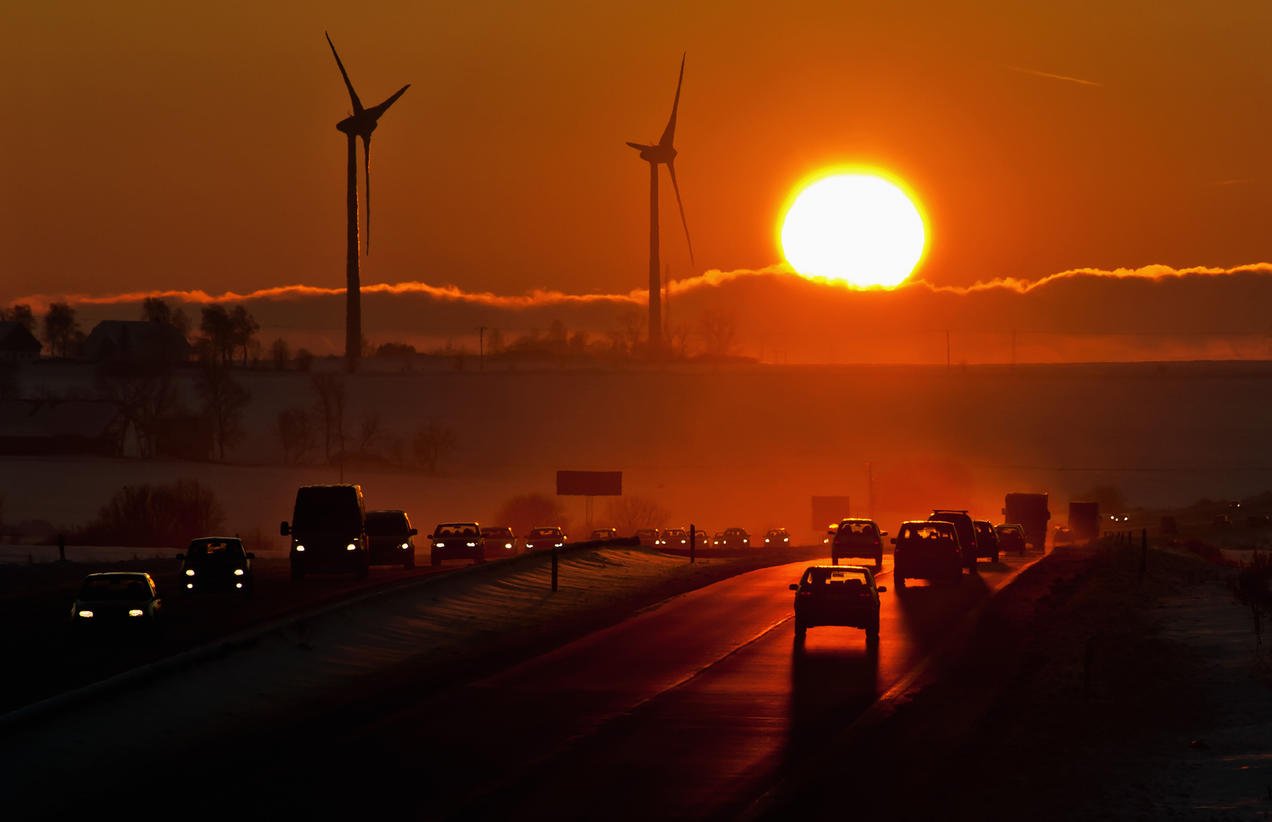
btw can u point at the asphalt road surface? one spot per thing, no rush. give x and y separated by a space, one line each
691 709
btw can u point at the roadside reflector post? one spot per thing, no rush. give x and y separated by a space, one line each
554 568
693 540
1143 563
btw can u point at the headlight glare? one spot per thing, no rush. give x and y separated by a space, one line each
189 572
351 547
85 614
136 612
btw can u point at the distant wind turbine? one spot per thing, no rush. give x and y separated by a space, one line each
358 124
661 153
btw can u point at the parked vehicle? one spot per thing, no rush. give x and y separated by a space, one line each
117 602
986 540
216 564
734 538
328 531
927 550
1029 511
498 540
858 538
546 538
777 538
838 595
1011 537
391 538
962 522
456 540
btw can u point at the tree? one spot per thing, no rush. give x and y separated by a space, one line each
630 513
280 353
218 333
243 328
368 432
165 515
295 434
145 393
60 328
21 314
304 359
329 405
526 511
431 444
719 332
223 403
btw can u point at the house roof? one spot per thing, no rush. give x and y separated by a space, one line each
136 340
15 337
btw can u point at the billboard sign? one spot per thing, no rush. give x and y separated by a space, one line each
589 483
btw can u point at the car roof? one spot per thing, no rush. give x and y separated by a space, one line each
206 540
859 568
855 519
458 524
118 574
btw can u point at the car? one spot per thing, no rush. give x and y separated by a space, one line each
926 550
648 536
733 538
966 529
1011 537
328 531
604 535
456 540
857 538
1063 536
674 538
546 538
216 564
123 602
986 540
777 538
498 540
391 538
838 595
717 539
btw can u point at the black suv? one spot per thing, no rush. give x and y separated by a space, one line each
966 528
838 595
926 550
857 538
216 564
391 538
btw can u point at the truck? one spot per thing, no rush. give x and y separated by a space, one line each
1084 521
328 531
1029 511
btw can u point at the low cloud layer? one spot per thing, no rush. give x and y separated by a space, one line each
1154 312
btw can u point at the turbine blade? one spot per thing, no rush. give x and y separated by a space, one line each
669 134
671 167
383 107
366 160
353 95
639 146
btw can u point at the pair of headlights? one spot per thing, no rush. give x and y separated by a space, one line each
87 614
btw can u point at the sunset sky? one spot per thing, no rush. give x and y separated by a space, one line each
158 146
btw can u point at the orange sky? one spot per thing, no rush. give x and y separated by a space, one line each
148 145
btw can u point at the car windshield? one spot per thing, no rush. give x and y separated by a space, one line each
936 532
116 589
457 529
776 533
544 532
215 550
380 523
849 577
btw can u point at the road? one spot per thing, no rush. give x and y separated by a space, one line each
691 709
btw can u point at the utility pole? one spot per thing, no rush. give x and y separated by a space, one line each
481 348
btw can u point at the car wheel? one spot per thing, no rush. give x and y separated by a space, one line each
297 572
410 562
801 630
900 581
435 561
879 562
872 639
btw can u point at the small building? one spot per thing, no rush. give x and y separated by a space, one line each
16 343
136 341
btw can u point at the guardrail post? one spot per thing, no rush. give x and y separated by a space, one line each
554 568
693 542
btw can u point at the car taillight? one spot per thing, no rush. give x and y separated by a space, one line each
804 592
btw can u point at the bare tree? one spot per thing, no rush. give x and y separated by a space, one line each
368 432
21 314
431 444
60 328
329 405
156 310
280 353
719 332
629 513
295 434
243 328
223 403
145 393
218 333
526 511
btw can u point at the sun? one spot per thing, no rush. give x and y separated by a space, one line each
858 229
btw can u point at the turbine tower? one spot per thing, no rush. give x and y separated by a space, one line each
358 124
661 153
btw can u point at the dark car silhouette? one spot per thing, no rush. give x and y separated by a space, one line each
733 538
456 540
123 602
498 540
926 550
546 538
604 534
986 540
966 529
1011 537
391 537
674 537
216 564
838 595
857 538
328 531
777 538
649 537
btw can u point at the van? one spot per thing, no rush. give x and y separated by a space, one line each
328 531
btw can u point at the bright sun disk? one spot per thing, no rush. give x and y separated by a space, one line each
858 229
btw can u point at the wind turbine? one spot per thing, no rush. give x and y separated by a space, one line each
661 153
358 124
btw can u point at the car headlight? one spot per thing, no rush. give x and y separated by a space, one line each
85 614
190 585
238 572
559 544
300 548
745 541
439 545
189 572
238 585
766 539
406 546
786 539
351 547
508 545
472 545
136 612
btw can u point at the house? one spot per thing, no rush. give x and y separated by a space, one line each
136 341
16 343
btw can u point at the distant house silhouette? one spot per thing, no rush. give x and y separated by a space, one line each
136 341
16 343
59 427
